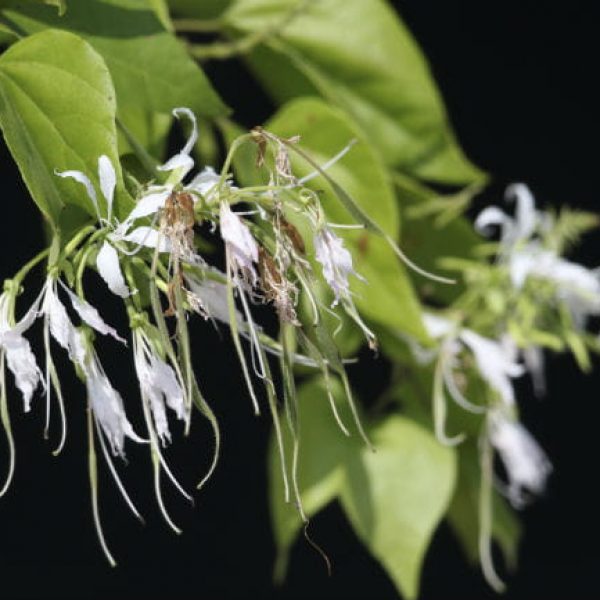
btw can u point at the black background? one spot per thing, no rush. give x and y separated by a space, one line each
518 82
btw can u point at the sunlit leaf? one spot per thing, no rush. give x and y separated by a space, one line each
396 496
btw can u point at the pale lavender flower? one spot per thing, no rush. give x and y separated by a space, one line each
336 261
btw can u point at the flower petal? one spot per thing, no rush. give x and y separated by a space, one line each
489 216
525 214
205 182
148 205
108 182
85 181
148 237
182 161
91 316
527 465
21 361
110 270
494 364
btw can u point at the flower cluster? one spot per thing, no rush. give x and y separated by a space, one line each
267 261
530 298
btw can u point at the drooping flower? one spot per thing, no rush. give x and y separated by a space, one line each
527 466
19 356
107 406
495 363
241 245
336 261
159 385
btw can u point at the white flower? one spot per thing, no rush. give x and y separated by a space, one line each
336 262
60 325
517 230
239 241
19 356
159 385
576 285
107 406
107 261
495 362
527 466
205 183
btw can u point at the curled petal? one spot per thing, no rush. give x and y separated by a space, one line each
110 270
488 217
85 181
191 142
182 161
525 213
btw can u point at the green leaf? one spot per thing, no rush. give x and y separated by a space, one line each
161 9
57 112
150 68
359 56
199 9
387 296
396 496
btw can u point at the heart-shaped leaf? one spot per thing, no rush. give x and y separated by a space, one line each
57 113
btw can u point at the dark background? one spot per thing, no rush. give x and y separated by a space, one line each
518 82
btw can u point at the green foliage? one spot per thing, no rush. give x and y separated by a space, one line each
150 69
199 9
57 112
568 226
362 58
394 497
